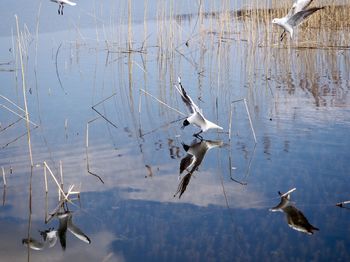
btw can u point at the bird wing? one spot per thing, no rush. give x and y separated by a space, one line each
68 2
192 107
62 229
300 17
33 243
77 232
300 5
186 162
183 184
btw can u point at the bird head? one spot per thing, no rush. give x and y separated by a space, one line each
185 123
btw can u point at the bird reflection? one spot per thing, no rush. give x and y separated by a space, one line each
194 157
295 218
50 236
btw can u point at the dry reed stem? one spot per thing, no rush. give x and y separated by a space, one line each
24 92
58 185
3 175
163 103
87 151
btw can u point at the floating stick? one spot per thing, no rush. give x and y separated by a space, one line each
105 118
45 178
3 175
54 178
250 120
87 151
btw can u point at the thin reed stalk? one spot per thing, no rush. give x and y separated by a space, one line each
3 175
24 92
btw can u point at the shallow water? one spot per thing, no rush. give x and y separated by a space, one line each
299 104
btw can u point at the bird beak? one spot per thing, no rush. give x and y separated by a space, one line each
182 127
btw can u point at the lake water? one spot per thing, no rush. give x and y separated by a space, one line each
91 77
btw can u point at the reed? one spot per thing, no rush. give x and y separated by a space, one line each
24 91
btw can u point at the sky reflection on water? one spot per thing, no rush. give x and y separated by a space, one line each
300 112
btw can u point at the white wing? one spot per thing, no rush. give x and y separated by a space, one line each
186 98
68 2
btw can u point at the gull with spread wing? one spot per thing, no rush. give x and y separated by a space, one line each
296 15
196 116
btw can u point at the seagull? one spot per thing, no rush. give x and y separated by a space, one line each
61 5
49 236
191 162
195 154
296 15
295 218
196 116
298 5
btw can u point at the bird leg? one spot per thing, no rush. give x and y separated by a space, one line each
197 135
283 35
62 9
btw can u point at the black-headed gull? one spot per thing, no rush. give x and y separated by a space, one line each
295 218
296 15
196 116
191 162
61 4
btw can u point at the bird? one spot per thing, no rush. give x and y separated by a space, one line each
297 6
61 4
196 116
49 236
295 218
191 162
195 154
296 15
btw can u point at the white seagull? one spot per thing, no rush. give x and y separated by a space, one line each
61 5
296 15
196 116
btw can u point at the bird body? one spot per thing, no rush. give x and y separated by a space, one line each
196 116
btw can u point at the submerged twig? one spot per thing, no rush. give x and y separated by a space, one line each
248 113
57 73
87 152
105 118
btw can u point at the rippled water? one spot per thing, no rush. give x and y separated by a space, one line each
86 78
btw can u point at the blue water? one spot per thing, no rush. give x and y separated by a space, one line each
299 105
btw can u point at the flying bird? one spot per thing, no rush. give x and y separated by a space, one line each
296 15
196 116
61 4
295 218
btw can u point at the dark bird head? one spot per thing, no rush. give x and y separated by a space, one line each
185 123
185 147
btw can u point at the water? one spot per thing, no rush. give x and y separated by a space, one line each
299 104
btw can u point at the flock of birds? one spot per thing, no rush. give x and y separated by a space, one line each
298 13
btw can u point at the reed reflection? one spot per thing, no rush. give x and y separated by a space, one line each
295 218
51 235
193 159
